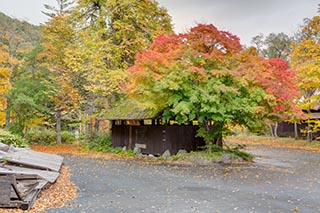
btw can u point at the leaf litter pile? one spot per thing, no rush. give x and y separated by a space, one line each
74 150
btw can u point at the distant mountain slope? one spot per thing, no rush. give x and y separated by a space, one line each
18 31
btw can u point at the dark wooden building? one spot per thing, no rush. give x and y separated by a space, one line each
133 127
153 137
286 129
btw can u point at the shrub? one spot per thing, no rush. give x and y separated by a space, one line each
8 138
49 137
100 142
68 137
244 155
213 148
42 137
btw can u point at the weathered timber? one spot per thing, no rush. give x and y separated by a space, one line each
23 173
50 176
5 189
33 159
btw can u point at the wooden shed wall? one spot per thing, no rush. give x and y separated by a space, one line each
157 139
287 130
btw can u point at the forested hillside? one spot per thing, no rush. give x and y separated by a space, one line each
19 30
16 39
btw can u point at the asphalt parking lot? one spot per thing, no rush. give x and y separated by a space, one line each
280 180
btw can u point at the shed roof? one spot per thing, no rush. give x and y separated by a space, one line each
127 110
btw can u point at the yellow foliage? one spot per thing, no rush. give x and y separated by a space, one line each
2 118
57 39
5 73
305 58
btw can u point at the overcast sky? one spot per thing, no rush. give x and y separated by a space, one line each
245 18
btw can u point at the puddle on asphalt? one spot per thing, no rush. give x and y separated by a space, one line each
272 162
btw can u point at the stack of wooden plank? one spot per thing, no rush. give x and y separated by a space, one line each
23 173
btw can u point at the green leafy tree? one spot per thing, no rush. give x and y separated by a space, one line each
273 46
16 38
14 45
204 75
30 96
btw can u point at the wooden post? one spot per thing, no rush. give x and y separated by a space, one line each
130 137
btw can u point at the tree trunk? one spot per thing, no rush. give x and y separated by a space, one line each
96 125
210 129
58 126
91 127
8 109
205 125
296 136
276 130
271 130
309 135
26 131
8 113
218 141
309 132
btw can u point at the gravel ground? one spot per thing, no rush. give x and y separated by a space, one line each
280 180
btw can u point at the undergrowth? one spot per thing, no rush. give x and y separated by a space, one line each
48 137
8 138
101 142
